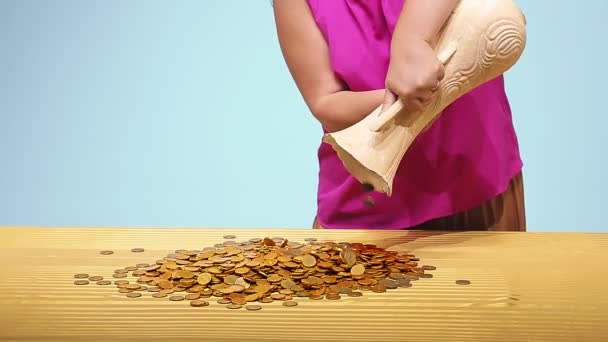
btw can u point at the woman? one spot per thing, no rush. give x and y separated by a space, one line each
349 56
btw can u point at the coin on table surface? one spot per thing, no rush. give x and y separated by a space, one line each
137 250
332 296
81 282
121 282
404 283
463 282
199 303
266 300
253 307
355 294
290 303
193 296
133 295
106 252
81 275
234 306
159 295
103 282
176 298
119 275
224 301
425 275
95 278
428 267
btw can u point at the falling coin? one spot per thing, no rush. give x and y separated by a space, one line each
229 237
290 303
366 187
107 252
462 282
199 303
137 250
81 282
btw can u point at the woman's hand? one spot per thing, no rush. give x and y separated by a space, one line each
413 75
414 69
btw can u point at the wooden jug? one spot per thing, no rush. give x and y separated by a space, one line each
481 40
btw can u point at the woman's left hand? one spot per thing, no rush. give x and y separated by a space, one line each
413 75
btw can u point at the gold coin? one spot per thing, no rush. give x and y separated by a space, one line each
193 296
199 303
253 307
81 282
106 252
176 298
463 282
234 306
224 301
137 250
159 295
290 303
133 294
103 282
229 237
309 260
357 270
81 275
121 282
95 278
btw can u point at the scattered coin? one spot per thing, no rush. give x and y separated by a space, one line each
193 296
106 252
133 294
253 307
355 294
234 306
81 282
159 295
425 275
176 298
81 275
463 282
290 303
199 303
119 275
429 268
224 301
103 282
95 278
137 250
229 237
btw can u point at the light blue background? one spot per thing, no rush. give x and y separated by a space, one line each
183 114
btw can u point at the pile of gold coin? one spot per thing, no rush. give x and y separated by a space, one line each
238 274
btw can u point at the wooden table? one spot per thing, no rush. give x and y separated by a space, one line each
524 287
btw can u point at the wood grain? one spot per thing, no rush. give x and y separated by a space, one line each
524 287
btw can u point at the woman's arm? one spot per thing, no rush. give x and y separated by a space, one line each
414 69
306 54
422 19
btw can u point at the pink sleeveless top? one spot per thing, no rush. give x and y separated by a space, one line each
467 157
